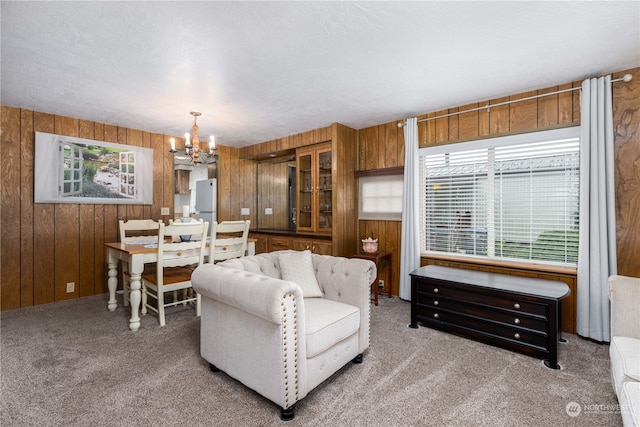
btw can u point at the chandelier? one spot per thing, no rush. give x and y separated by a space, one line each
192 150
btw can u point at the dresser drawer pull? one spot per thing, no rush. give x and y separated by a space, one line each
516 321
436 315
517 336
516 305
435 290
436 303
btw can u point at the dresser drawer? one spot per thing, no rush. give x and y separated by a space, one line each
506 317
489 298
486 327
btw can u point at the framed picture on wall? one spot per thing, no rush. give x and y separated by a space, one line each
77 170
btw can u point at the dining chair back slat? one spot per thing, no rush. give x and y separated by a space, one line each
228 240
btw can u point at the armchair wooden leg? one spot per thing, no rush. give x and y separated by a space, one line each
357 359
288 414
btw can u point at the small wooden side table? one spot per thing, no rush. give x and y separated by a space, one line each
377 257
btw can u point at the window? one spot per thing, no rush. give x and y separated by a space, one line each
514 197
128 174
71 169
380 197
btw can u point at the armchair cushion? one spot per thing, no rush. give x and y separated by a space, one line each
327 323
630 404
297 267
625 360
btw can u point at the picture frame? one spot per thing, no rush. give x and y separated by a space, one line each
77 170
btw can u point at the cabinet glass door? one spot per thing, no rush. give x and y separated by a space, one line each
325 193
305 191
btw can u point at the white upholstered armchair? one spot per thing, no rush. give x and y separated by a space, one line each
624 350
282 338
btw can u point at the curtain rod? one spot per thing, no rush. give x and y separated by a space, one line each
625 78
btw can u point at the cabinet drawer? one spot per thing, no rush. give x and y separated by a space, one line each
507 317
279 244
494 298
484 327
320 247
302 245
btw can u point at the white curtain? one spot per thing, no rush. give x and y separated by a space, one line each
410 246
597 251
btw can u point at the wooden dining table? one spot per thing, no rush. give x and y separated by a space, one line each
136 256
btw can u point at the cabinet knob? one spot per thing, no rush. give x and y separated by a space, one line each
307 248
435 290
516 321
436 302
517 336
436 315
516 305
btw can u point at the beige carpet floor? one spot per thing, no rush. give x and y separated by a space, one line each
74 363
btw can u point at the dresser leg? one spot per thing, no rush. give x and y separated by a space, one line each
551 365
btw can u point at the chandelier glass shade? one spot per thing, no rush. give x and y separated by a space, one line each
192 150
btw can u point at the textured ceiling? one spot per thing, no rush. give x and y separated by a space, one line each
263 70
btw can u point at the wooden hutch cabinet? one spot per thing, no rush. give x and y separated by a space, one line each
315 189
325 194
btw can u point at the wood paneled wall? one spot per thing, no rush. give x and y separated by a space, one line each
236 186
273 188
286 143
524 116
626 128
344 147
383 146
43 245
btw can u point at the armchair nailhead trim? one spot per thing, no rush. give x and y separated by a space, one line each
295 351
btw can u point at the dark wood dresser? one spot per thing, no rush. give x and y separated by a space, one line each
521 314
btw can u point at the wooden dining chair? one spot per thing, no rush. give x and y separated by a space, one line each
136 232
228 240
176 261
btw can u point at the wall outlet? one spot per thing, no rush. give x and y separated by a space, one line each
71 286
164 211
244 211
380 283
268 211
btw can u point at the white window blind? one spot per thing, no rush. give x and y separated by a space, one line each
514 197
380 197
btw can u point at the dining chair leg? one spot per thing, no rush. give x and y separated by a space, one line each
125 284
160 299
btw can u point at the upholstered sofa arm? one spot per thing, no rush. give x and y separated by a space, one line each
345 280
624 293
253 293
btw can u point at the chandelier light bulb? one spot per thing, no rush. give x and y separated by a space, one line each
192 151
